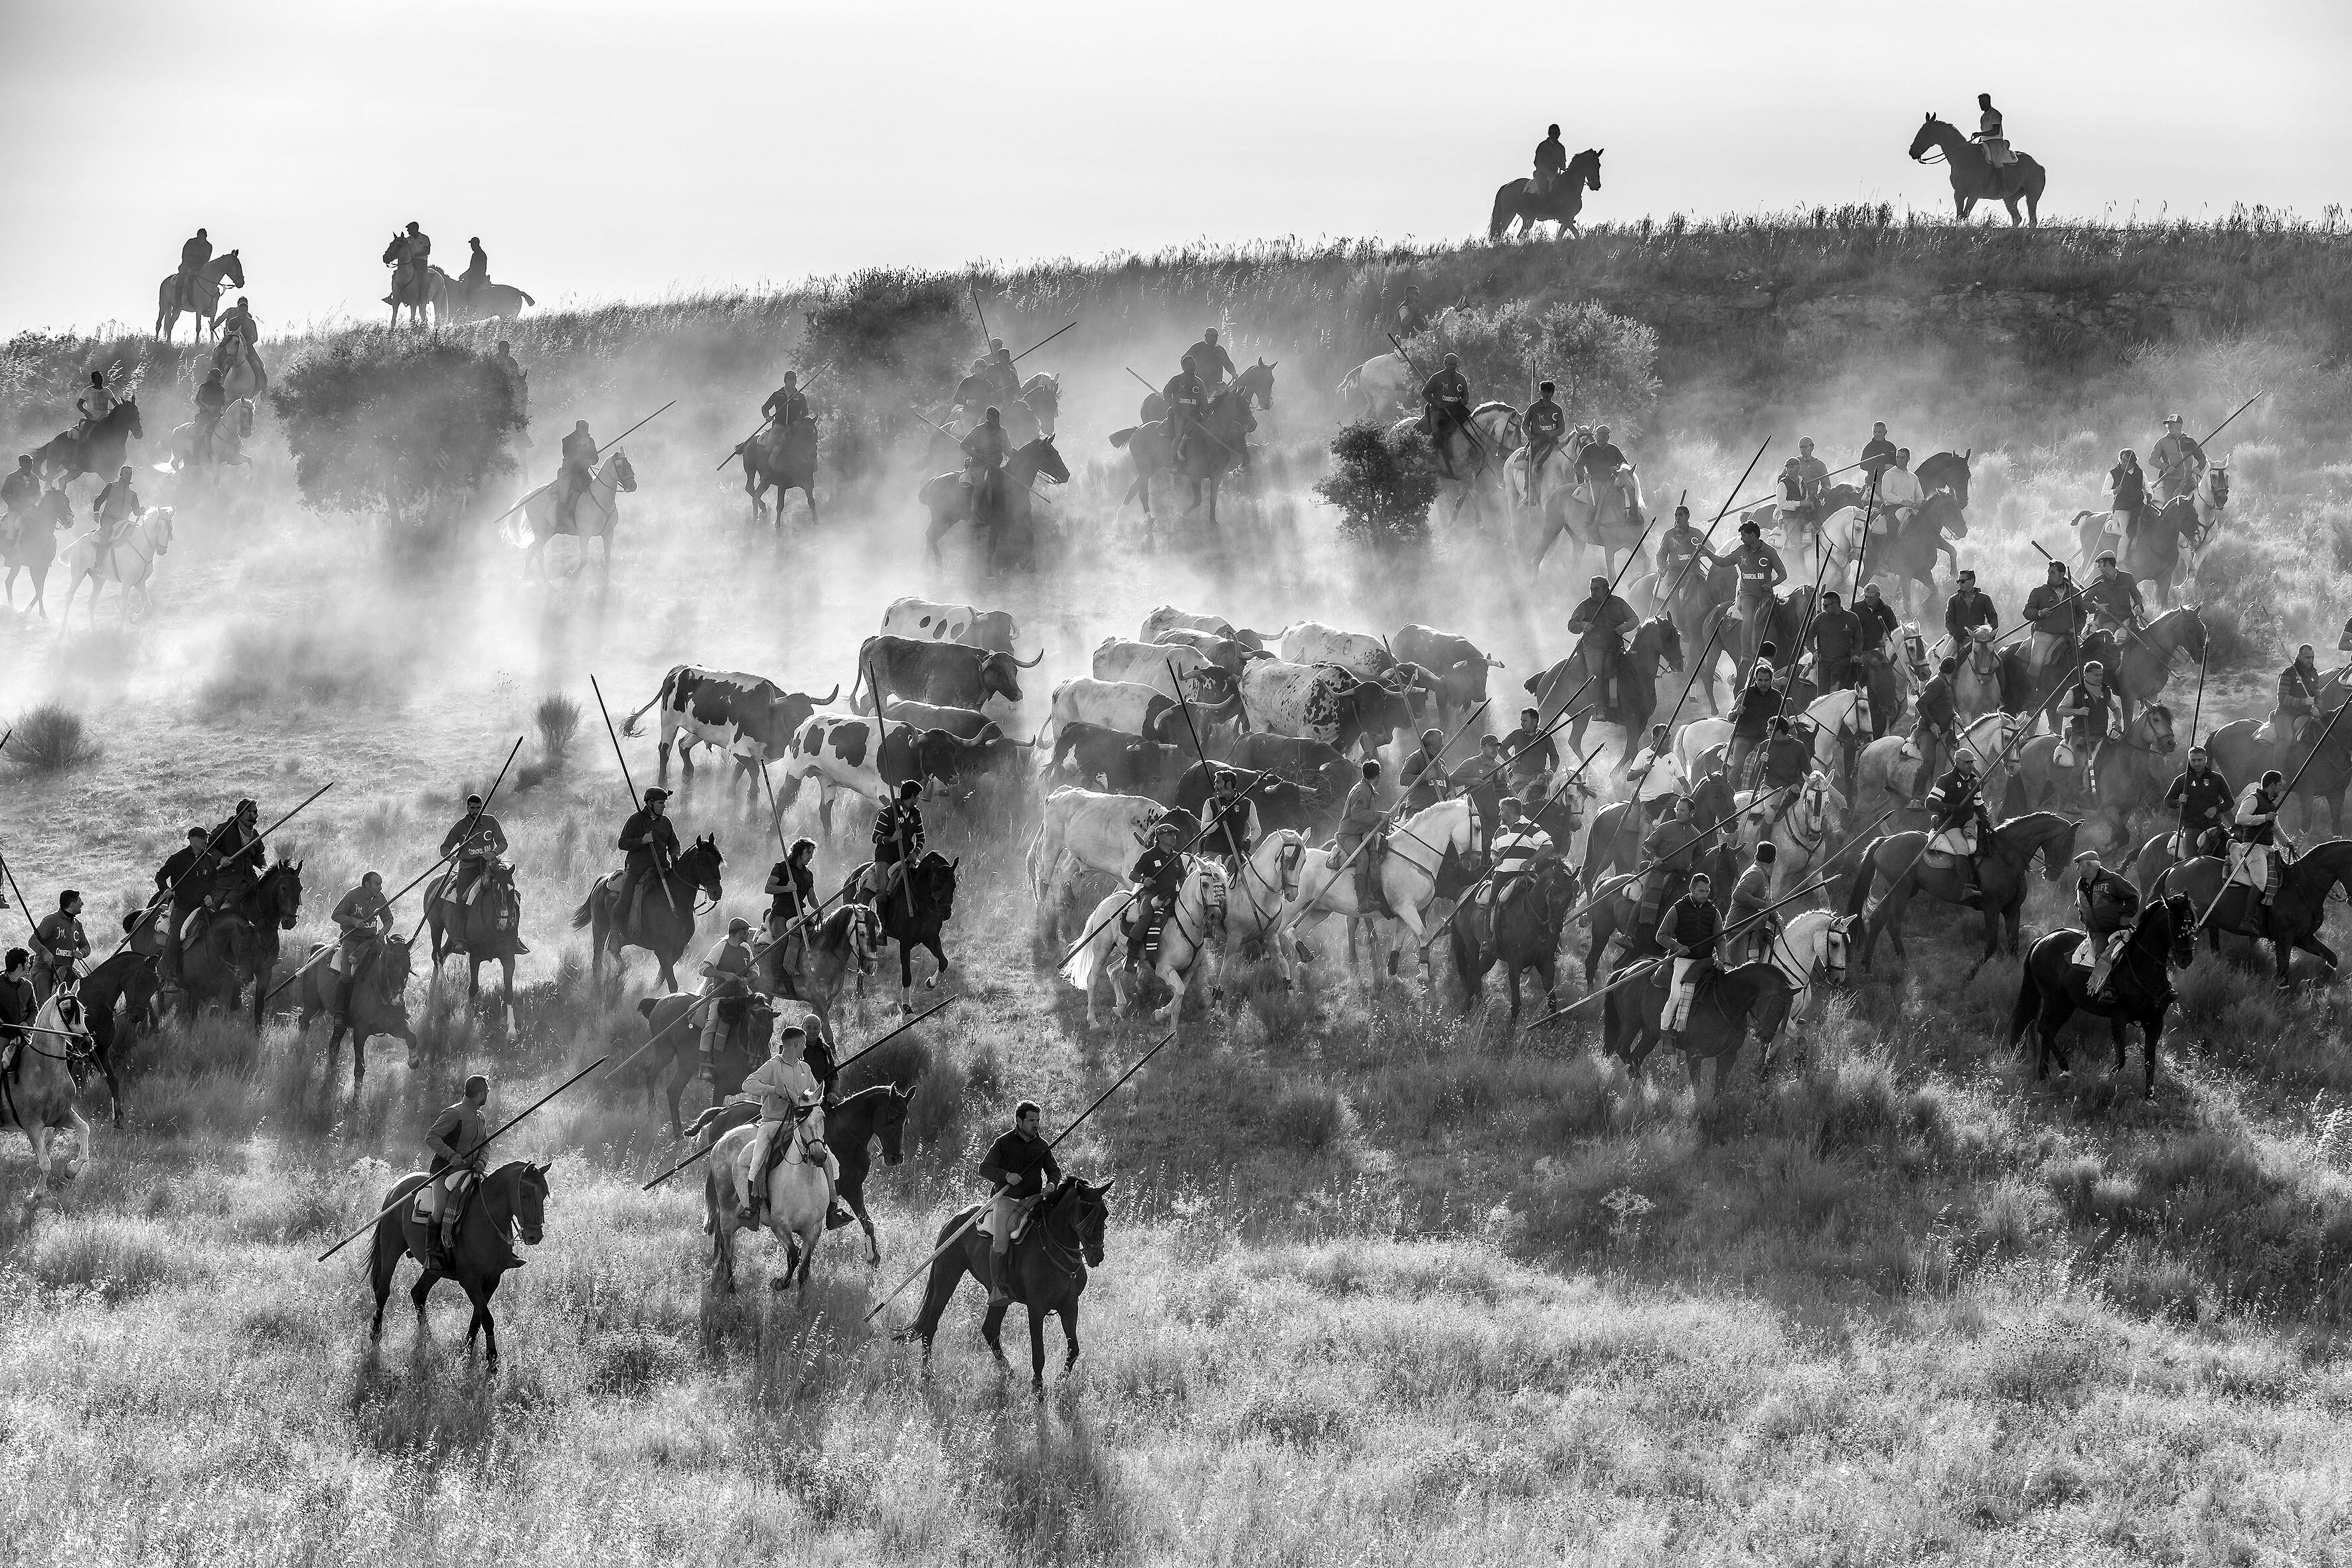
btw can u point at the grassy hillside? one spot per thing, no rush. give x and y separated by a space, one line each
1382 1280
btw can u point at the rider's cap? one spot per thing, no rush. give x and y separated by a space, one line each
656 792
1964 755
738 926
198 833
909 788
473 800
474 240
2129 456
1765 852
1790 464
2107 557
1490 741
2172 419
1765 648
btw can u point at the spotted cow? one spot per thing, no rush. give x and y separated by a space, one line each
1323 702
872 757
1126 705
920 620
1359 652
747 716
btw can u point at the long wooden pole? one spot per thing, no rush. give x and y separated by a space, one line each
637 803
172 892
613 442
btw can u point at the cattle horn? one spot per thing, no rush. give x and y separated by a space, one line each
827 700
1030 663
1496 664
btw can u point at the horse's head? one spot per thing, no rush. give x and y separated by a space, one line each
158 525
1931 134
280 893
1257 381
1082 1207
1044 460
2217 486
530 1202
2154 723
232 270
1585 168
624 478
125 415
934 882
2058 855
1666 640
890 1120
392 252
1947 471
242 413
1837 941
2180 914
701 862
1942 508
392 967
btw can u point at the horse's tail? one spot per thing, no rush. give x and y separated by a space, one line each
585 915
1865 871
526 299
1349 382
2029 1000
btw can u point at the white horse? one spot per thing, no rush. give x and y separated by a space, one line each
130 562
1408 877
1609 520
1885 770
1809 947
1833 714
595 515
1383 384
799 1195
224 449
1266 884
44 1087
1194 929
1494 433
1558 475
1802 837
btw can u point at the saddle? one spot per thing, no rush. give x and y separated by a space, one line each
1023 1212
462 1186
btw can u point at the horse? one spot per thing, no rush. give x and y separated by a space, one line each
1556 477
1261 888
677 1059
1988 683
417 288
945 499
42 1079
664 921
785 459
1785 620
2004 858
238 942
1903 548
1418 849
508 1203
1385 383
1654 642
484 301
2131 774
1695 598
846 942
1728 1004
127 978
913 916
1618 828
1974 177
1220 444
129 561
1518 202
485 930
1042 396
372 1002
2053 987
66 455
1884 770
222 447
2295 913
1839 720
1194 929
1466 457
239 365
1045 1269
34 546
2164 539
1810 947
2240 753
1613 522
1802 837
799 1198
880 1112
598 506
1525 921
200 298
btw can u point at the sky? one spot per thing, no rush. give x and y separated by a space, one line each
610 151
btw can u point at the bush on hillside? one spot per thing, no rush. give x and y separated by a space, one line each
1605 365
893 325
405 425
558 718
48 739
1383 490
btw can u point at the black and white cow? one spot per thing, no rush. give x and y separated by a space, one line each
920 620
951 675
872 757
1228 654
748 717
1323 702
1455 662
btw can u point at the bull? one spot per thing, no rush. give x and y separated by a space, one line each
1173 670
1456 663
920 620
1313 767
1228 654
1359 652
951 675
1323 702
748 717
1120 762
1124 705
964 722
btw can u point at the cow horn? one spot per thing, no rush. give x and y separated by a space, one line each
1496 664
1031 663
826 701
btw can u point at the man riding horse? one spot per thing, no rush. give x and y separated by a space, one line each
2179 462
477 268
93 404
193 255
1998 153
650 839
1600 465
114 506
477 840
365 919
1210 362
1961 822
1551 161
1187 399
1545 424
2297 716
1445 407
986 452
1603 622
2057 611
571 481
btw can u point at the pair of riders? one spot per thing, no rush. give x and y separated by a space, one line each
1796 493
199 880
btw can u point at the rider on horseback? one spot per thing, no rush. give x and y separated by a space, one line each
1687 935
1899 493
2057 611
2112 597
1408 317
1187 400
787 406
117 504
238 319
60 947
897 842
194 255
788 1091
1957 803
1939 721
2089 712
212 402
2126 492
2179 461
477 840
2298 698
1758 709
1878 454
1788 763
1210 361
20 1003
1603 622
2256 831
19 493
1361 838
792 902
1159 876
1602 463
1445 406
1682 544
1545 423
2108 904
1751 922
364 918
1533 757
454 1141
1521 846
1672 849
1424 777
477 268
727 989
1998 154
95 404
986 452
1969 608
181 882
1813 475
651 844
1551 161
1230 821
2203 797
1021 1167
573 478
1760 570
1834 640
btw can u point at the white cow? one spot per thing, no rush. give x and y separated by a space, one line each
1206 683
1128 706
1168 618
920 620
1083 830
1359 652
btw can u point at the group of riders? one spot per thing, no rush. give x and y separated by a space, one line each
410 257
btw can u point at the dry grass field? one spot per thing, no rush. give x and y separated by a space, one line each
1382 1282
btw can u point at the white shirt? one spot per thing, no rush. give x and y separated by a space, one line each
1655 774
782 1082
1900 487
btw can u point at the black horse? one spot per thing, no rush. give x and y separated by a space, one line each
2053 987
662 924
1525 927
1045 1270
913 914
785 459
238 942
485 930
1726 1003
2294 917
127 979
1517 202
850 1124
63 457
508 1203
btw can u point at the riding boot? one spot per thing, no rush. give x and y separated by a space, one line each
1971 892
998 1296
758 1201
837 1214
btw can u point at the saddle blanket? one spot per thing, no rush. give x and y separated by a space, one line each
461 1186
1021 1213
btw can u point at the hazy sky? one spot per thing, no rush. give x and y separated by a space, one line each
606 151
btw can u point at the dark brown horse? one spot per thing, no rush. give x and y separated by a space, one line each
2130 775
1046 1271
126 980
662 924
1525 930
2053 987
851 1125
1654 643
914 915
785 459
1974 178
2005 863
507 1205
62 457
677 1049
33 548
1728 1004
372 1003
485 930
238 942
2294 915
1517 202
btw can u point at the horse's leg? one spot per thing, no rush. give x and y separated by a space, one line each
1037 1348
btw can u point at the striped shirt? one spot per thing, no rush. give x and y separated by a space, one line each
1517 848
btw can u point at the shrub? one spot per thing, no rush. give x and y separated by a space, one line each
403 424
49 740
558 718
1308 1117
1605 365
1383 490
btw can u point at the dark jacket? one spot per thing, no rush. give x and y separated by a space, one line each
643 835
1690 928
1966 610
189 866
1670 844
1877 618
1758 706
1935 704
481 836
1529 756
1600 461
2096 709
1545 422
1210 362
19 1003
1787 761
898 826
795 889
1425 779
2203 799
231 846
1025 1166
1835 636
2117 597
1878 456
1447 387
2055 608
1159 870
2298 691
785 406
2131 488
1957 799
